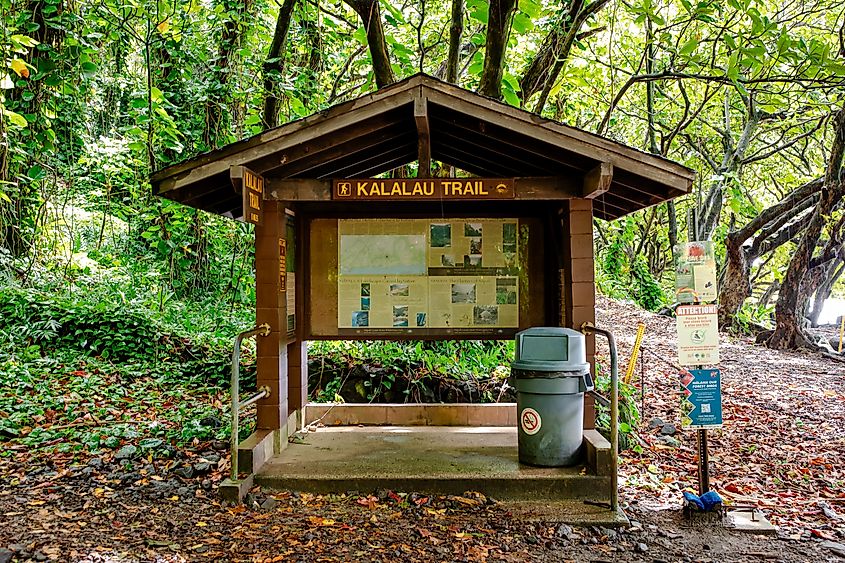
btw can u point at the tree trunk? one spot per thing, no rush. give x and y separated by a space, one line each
498 30
541 73
370 14
736 287
776 227
274 64
788 332
834 272
455 31
217 116
773 288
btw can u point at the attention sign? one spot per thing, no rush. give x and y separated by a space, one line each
412 189
698 334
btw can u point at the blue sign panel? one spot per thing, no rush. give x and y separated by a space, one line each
702 402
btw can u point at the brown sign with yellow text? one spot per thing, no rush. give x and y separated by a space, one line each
413 189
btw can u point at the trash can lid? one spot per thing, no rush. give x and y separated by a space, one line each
550 349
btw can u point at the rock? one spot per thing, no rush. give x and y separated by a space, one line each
210 421
668 429
564 531
183 492
611 534
206 484
836 548
220 445
39 556
203 467
5 555
656 423
95 462
269 504
210 456
186 472
126 452
669 441
641 547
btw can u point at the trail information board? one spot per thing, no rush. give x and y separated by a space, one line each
702 402
428 273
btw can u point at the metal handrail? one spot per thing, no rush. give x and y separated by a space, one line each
237 405
614 413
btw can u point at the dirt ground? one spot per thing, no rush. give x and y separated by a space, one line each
781 449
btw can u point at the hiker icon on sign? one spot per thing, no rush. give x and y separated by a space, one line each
344 189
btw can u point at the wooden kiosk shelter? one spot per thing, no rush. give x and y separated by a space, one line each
343 254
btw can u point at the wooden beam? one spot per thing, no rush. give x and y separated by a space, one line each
282 138
423 136
544 188
597 181
569 138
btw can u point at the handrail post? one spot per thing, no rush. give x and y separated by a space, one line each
614 413
260 330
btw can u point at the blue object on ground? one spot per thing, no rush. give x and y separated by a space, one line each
693 498
711 500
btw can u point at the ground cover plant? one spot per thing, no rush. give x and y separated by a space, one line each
135 478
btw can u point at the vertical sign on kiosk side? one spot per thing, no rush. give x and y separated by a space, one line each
251 186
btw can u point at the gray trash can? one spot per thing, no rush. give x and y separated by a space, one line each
551 375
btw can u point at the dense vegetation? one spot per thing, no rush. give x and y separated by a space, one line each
96 94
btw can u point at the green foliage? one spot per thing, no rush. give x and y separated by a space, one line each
647 291
623 272
409 371
74 403
49 323
629 413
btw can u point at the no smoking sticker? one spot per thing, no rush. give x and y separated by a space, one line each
530 421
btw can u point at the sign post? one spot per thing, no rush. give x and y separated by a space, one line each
702 409
698 344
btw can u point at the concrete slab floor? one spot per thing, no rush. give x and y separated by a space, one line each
436 459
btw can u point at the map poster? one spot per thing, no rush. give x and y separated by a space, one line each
695 272
382 302
701 406
406 274
698 334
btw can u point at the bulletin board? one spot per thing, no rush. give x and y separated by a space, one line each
424 277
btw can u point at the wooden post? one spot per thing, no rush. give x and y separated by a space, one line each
297 375
271 308
579 290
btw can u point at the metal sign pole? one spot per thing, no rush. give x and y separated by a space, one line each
703 463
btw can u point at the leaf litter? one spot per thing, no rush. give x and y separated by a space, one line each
781 449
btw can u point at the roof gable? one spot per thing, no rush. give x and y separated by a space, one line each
383 130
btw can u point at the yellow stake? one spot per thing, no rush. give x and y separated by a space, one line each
841 332
632 363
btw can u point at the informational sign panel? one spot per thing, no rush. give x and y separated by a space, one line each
410 189
701 406
283 264
428 273
695 273
251 186
698 334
